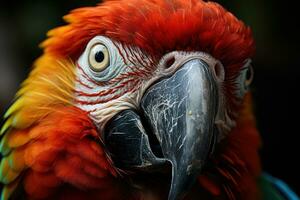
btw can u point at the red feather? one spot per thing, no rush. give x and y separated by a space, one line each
68 159
159 27
235 166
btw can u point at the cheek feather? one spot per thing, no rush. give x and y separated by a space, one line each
88 93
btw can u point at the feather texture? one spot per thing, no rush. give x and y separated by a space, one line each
61 150
50 84
159 27
48 142
235 167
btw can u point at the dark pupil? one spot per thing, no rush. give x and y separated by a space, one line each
99 56
248 74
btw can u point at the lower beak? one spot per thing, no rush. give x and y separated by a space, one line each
181 112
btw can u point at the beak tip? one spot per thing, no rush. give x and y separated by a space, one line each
183 178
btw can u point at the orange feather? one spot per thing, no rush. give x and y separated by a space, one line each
57 144
66 153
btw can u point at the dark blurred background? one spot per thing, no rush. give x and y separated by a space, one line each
275 24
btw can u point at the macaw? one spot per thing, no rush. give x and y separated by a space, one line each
138 99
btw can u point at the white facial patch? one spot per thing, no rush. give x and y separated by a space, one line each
108 76
112 77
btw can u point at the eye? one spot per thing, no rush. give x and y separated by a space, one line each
249 76
244 79
98 57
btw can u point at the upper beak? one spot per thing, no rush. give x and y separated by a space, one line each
181 111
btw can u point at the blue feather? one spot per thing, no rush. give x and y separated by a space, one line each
281 187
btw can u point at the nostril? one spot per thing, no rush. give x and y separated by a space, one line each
169 62
219 71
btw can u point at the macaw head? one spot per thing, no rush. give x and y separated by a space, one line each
163 81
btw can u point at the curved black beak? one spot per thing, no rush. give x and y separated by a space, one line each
181 111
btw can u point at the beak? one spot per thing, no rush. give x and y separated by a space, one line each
180 111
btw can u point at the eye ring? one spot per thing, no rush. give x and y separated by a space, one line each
98 57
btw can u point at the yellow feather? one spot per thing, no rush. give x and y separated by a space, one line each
62 91
22 91
16 106
22 119
6 125
50 84
27 117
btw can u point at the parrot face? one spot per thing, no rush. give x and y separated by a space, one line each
176 99
136 86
